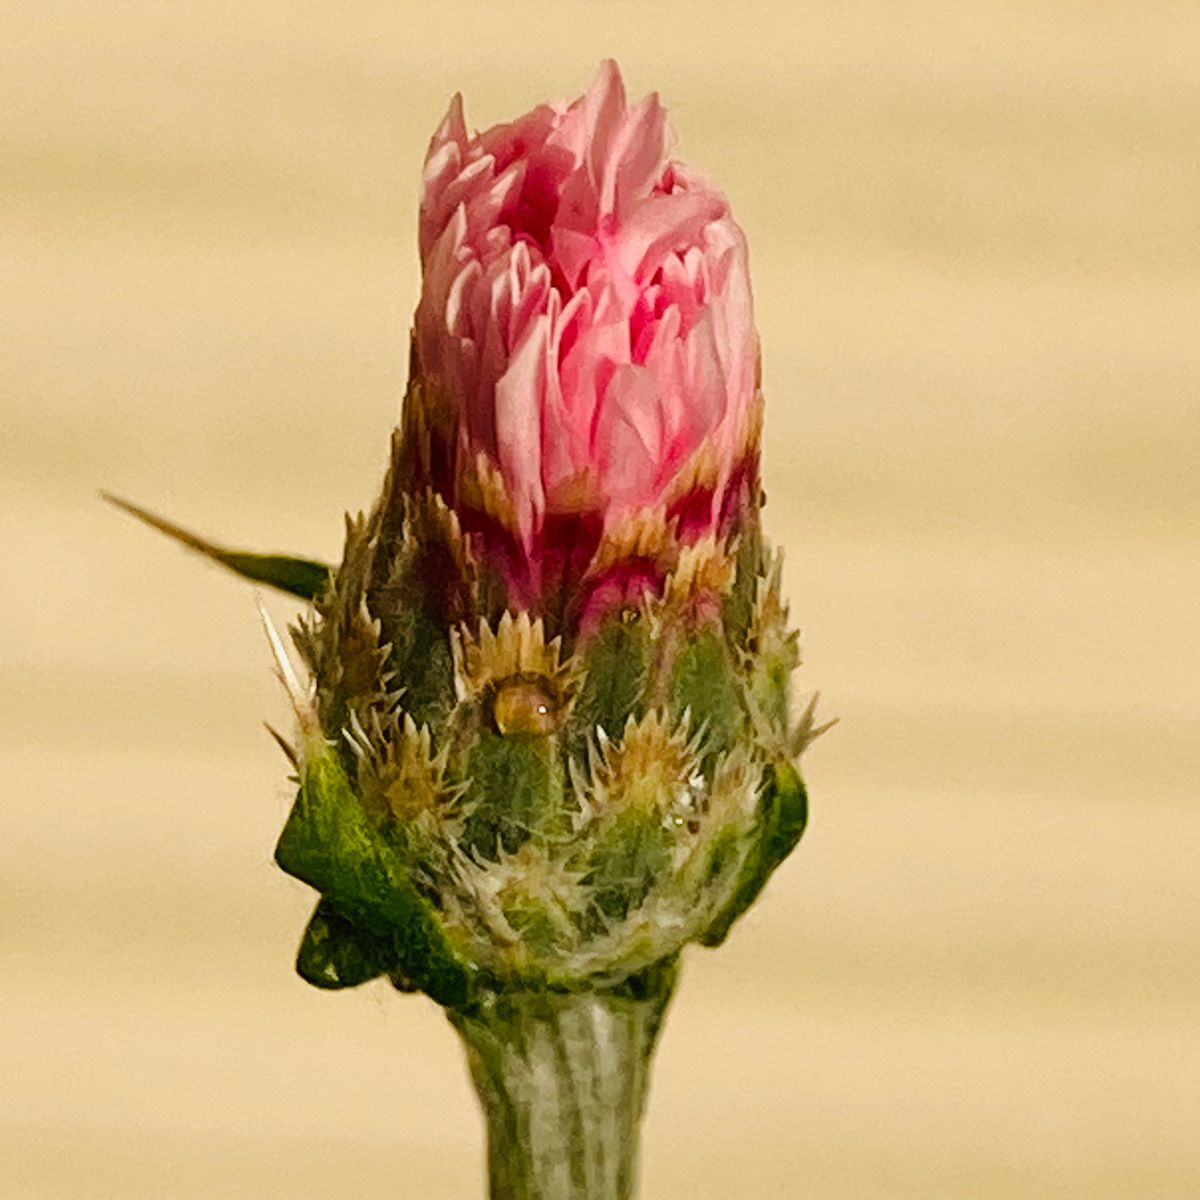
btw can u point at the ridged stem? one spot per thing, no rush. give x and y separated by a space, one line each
562 1078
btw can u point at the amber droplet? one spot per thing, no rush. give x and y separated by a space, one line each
525 706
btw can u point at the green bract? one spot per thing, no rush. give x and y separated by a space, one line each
483 807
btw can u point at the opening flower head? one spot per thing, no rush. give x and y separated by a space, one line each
584 347
547 738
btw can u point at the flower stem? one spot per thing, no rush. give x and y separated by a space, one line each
562 1078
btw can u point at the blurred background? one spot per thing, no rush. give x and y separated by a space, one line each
976 250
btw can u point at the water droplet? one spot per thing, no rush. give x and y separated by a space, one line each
525 706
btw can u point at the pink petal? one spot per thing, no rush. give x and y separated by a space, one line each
661 224
519 403
629 437
644 145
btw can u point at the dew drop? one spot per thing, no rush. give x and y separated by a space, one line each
525 706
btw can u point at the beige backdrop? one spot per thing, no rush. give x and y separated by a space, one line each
976 249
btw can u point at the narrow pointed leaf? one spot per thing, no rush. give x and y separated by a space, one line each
297 576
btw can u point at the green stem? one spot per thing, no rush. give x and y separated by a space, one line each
562 1078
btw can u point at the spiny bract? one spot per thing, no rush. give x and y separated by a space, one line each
493 799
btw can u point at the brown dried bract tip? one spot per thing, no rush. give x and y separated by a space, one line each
481 487
750 435
705 569
654 766
517 670
806 730
641 534
700 473
398 770
426 415
769 629
429 519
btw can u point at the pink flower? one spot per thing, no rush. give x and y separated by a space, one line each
584 346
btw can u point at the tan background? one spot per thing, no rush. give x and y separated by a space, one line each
976 249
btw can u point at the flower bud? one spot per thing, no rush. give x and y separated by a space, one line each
550 742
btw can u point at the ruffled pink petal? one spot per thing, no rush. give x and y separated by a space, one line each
443 162
661 224
642 155
518 421
585 307
699 408
629 437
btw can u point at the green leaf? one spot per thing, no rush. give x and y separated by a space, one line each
336 953
329 844
783 814
297 576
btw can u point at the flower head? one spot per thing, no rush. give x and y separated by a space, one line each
549 738
584 349
553 670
